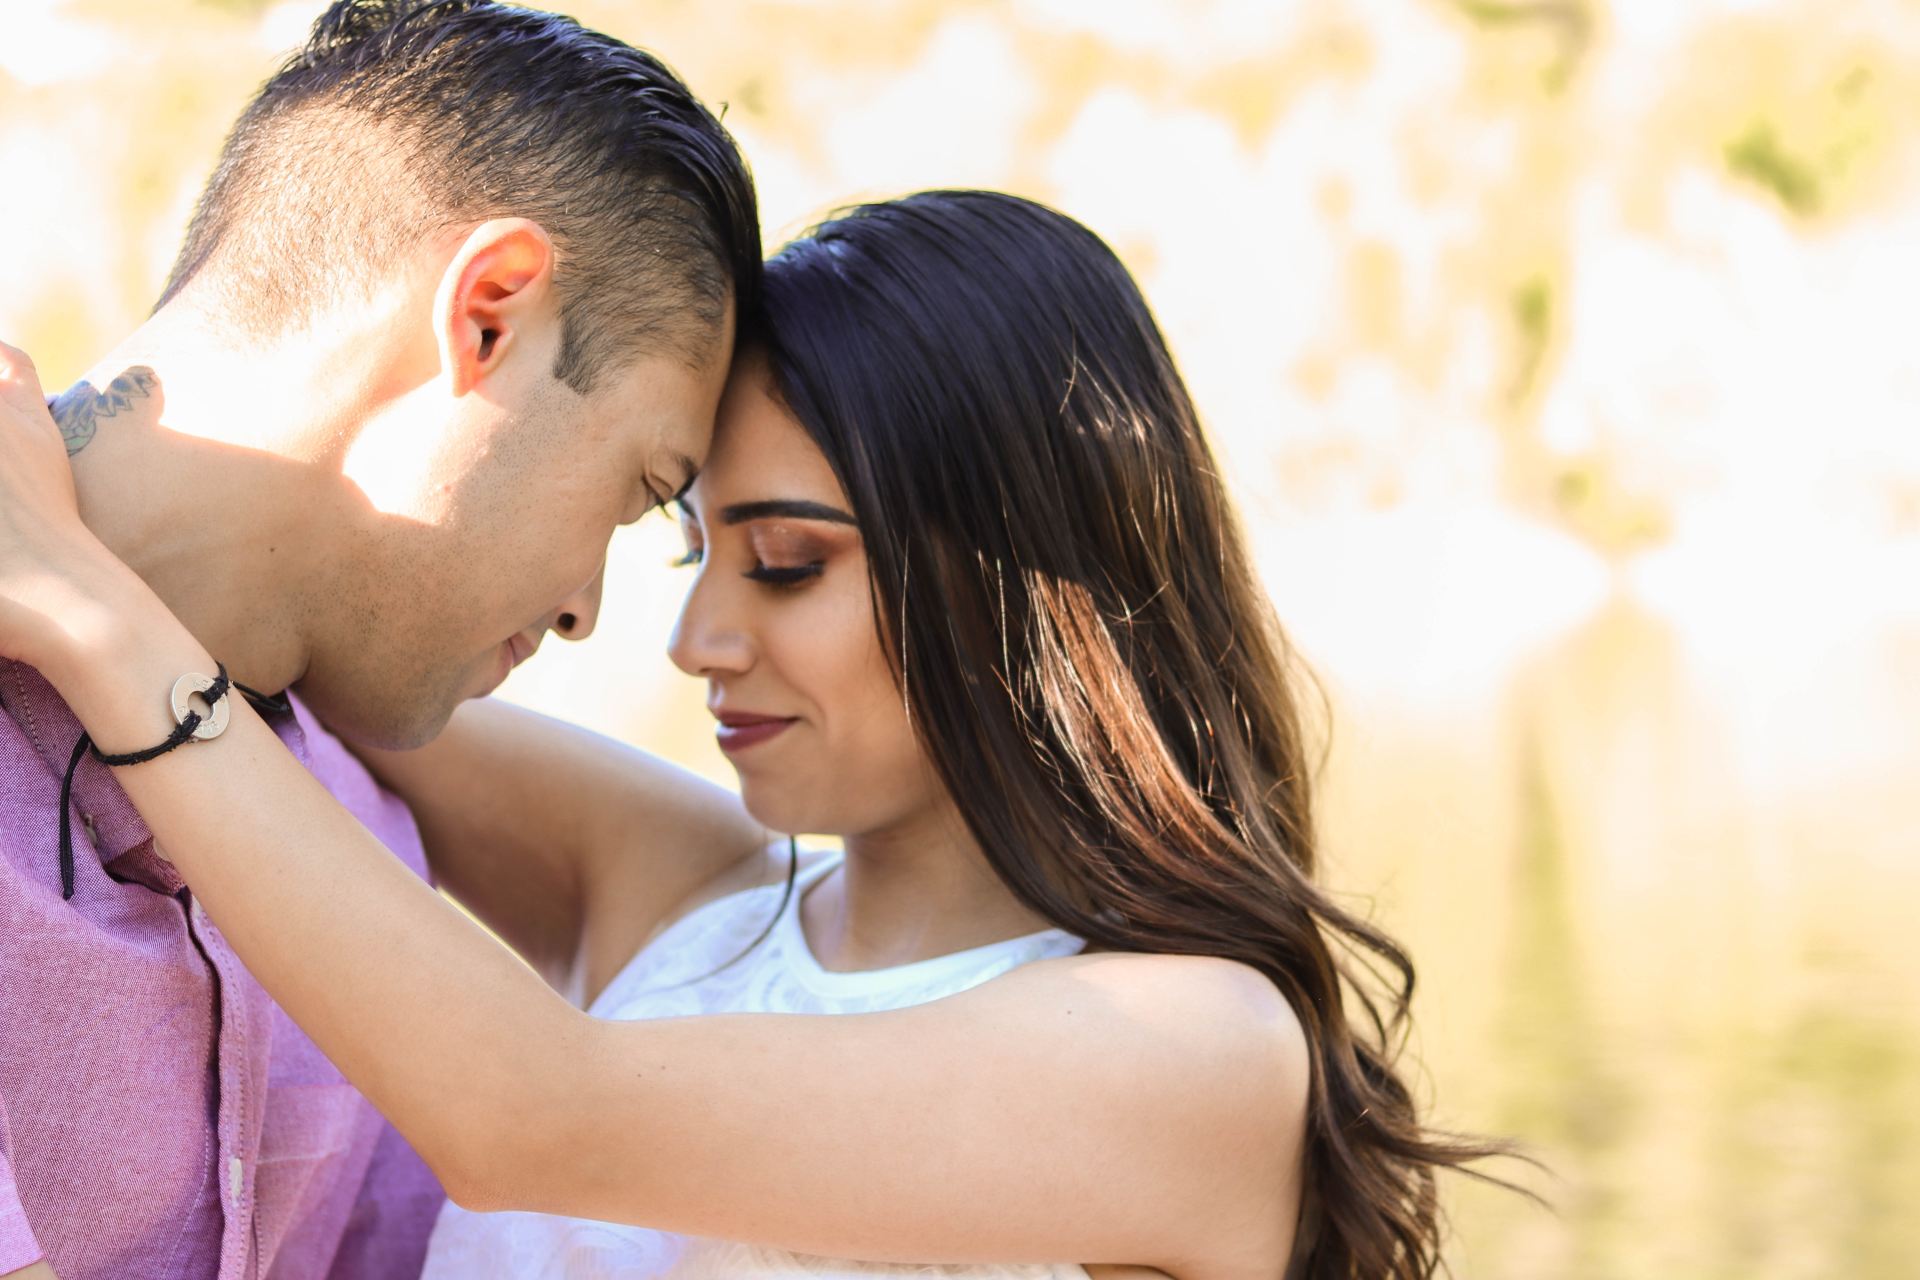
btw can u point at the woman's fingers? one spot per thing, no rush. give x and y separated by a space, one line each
17 374
36 482
21 398
45 548
19 380
14 357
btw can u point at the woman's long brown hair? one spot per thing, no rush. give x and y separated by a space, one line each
1086 652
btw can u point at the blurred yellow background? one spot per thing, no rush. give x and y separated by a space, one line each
1562 356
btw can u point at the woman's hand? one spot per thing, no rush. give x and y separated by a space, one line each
57 582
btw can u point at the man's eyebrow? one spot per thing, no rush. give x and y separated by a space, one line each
792 508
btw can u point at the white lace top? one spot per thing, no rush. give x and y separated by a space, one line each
673 976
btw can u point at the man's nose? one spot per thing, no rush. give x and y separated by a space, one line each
581 610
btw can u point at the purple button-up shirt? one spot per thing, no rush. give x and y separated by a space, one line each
160 1117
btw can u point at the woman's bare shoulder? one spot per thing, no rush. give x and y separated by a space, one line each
1201 1027
1224 992
1191 1064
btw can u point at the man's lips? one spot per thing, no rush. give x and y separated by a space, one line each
514 650
742 729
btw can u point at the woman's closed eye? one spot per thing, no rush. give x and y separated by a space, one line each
785 553
779 558
786 575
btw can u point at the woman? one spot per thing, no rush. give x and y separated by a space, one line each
968 596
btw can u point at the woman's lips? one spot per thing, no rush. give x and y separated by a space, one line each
738 731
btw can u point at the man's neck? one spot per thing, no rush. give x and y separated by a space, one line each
203 467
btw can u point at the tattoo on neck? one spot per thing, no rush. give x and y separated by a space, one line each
80 409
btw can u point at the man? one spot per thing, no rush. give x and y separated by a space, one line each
458 299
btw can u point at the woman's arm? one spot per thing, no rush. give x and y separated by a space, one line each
570 846
1101 1108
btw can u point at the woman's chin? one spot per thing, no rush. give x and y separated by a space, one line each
779 809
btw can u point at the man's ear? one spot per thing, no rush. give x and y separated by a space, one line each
498 285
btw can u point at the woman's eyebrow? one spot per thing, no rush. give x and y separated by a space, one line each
791 508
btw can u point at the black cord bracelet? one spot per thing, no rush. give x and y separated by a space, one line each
183 733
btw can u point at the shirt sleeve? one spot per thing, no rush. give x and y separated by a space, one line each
18 1248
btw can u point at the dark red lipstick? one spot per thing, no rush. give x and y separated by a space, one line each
742 729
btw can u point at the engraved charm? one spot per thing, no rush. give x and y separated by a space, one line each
212 724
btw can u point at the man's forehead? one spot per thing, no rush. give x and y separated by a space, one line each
673 404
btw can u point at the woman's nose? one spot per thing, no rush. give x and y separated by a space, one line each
706 639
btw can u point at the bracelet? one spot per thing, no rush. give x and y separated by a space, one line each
189 726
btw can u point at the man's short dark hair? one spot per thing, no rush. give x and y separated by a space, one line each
403 119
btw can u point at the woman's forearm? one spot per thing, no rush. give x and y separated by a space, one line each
497 836
1097 1107
556 837
435 1022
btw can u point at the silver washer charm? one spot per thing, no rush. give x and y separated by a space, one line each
210 726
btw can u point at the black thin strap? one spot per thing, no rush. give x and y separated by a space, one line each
181 735
66 817
279 704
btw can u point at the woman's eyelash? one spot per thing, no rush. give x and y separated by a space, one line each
785 575
772 575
